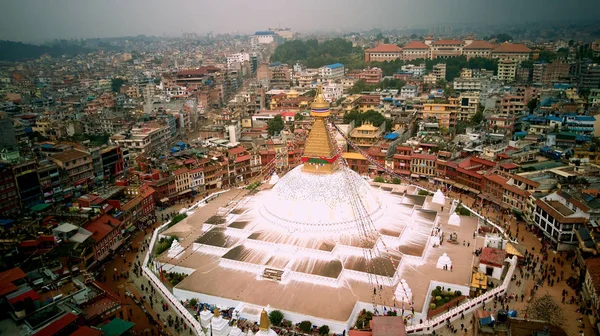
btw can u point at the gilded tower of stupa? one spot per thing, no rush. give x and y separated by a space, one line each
320 155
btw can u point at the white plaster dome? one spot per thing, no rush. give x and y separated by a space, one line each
303 202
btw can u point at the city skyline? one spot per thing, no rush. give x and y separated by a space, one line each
68 19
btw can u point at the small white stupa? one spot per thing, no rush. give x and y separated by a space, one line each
176 250
439 197
274 179
205 316
454 219
265 325
403 292
444 260
218 325
235 331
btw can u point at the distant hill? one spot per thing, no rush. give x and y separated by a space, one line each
18 51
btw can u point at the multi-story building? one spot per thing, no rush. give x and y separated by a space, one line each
559 216
507 69
415 70
10 202
444 114
237 58
474 48
77 165
517 191
415 50
402 160
591 286
409 91
52 182
143 140
8 140
370 75
423 165
513 51
306 78
383 53
446 49
332 71
366 134
502 123
333 92
579 124
439 71
197 181
113 162
590 77
263 37
467 84
182 180
28 182
512 104
468 105
106 234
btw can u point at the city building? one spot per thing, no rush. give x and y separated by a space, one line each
77 164
507 69
446 49
475 48
513 51
383 53
332 71
263 37
559 216
370 75
444 114
415 50
439 71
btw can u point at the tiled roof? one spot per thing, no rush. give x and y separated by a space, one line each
492 256
526 180
511 48
480 45
447 42
100 227
415 45
557 215
236 150
385 48
509 166
496 178
423 156
516 190
69 155
242 158
593 268
181 171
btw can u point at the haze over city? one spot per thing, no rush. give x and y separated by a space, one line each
36 21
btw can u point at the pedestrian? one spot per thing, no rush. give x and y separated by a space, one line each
451 268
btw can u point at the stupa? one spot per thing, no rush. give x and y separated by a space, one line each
320 245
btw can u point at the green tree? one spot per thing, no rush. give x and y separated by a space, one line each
275 125
324 330
372 116
299 116
276 317
386 40
532 104
305 326
116 84
478 116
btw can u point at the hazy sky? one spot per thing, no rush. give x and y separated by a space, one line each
38 20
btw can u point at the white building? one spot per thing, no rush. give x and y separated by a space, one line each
467 84
507 69
559 215
439 71
491 262
237 58
197 179
263 37
143 140
415 70
409 91
333 92
332 71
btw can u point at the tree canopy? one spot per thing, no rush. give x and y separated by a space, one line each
275 317
275 125
372 116
314 54
116 84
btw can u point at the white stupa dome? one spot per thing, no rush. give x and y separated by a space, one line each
439 197
454 219
444 260
274 179
315 203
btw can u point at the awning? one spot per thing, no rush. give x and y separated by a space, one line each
185 192
166 199
40 207
415 175
131 228
116 327
58 325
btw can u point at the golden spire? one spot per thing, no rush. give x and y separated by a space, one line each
320 154
319 106
217 312
264 320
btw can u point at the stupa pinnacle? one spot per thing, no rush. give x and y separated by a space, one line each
320 154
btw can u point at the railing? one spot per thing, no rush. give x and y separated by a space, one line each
467 307
158 285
